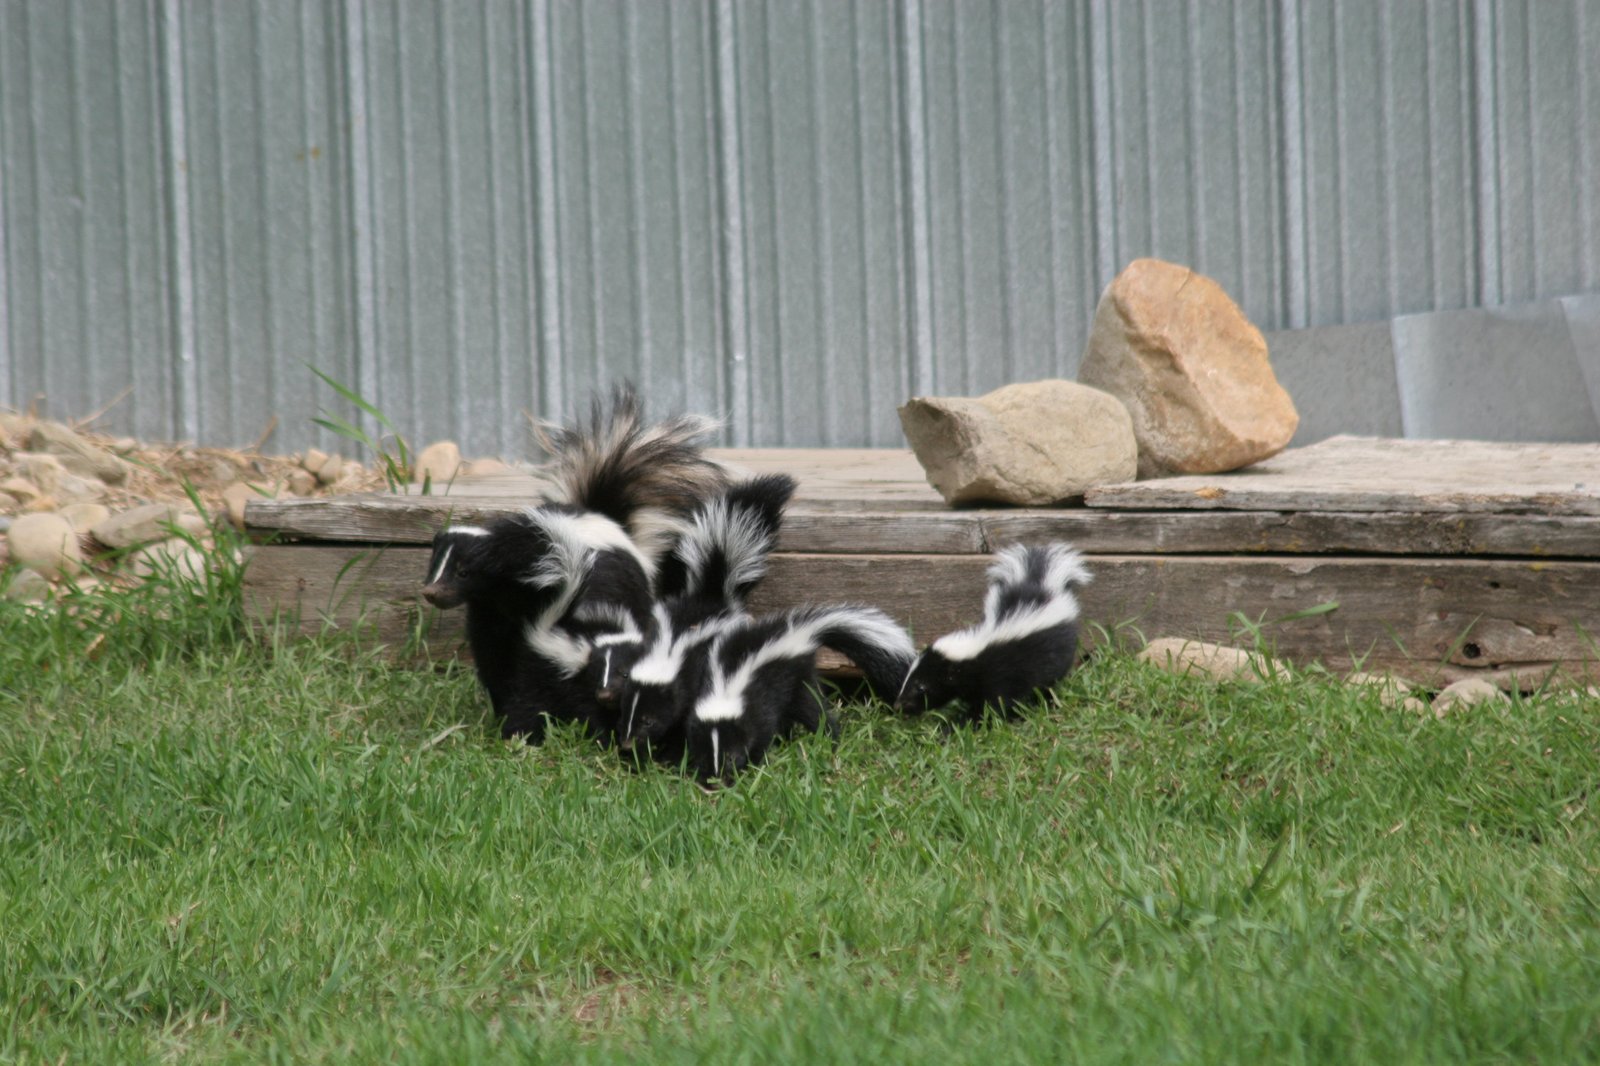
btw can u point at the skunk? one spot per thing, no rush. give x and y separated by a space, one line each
717 562
756 681
540 587
645 478
543 587
1027 640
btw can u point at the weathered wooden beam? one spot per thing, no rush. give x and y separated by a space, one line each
1382 474
1430 620
807 528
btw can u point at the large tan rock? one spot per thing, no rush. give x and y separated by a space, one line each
1192 370
1034 443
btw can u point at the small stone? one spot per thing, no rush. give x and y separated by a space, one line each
1391 690
46 543
9 504
1215 661
1034 443
84 515
28 586
140 525
45 471
438 462
76 453
222 472
124 446
328 472
74 489
313 459
20 488
1468 692
169 557
1192 370
486 467
1415 704
234 498
193 525
302 482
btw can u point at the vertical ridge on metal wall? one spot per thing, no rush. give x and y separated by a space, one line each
552 372
734 297
186 377
358 121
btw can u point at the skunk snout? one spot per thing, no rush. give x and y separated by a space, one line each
442 595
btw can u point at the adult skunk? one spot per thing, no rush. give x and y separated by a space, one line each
1026 642
757 680
716 564
542 587
539 588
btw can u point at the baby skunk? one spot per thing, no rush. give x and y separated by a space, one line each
705 582
756 681
1027 640
539 588
542 587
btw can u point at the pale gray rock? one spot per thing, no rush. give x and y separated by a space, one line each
28 586
1033 443
21 489
235 496
1215 661
174 558
1468 692
1192 370
83 516
486 467
45 543
438 462
1392 691
139 525
313 459
301 482
44 471
76 453
329 469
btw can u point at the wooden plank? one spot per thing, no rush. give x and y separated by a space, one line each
413 520
1382 474
1430 620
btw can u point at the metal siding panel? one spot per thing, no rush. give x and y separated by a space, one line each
636 240
263 168
1195 144
82 310
829 353
1010 184
1542 136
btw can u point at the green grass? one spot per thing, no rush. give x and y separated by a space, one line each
219 849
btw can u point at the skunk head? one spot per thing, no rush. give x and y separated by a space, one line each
931 682
455 569
611 659
719 748
649 712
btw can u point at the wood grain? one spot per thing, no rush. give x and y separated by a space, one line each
1429 620
1384 474
414 519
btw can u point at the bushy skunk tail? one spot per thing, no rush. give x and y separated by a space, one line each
1055 567
722 555
876 643
646 478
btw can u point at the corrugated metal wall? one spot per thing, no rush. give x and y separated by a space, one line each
791 212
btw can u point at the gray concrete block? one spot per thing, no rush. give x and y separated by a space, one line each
1510 373
1341 379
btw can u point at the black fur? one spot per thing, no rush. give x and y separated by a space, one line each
715 566
756 682
1027 641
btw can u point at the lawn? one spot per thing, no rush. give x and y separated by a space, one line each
221 848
